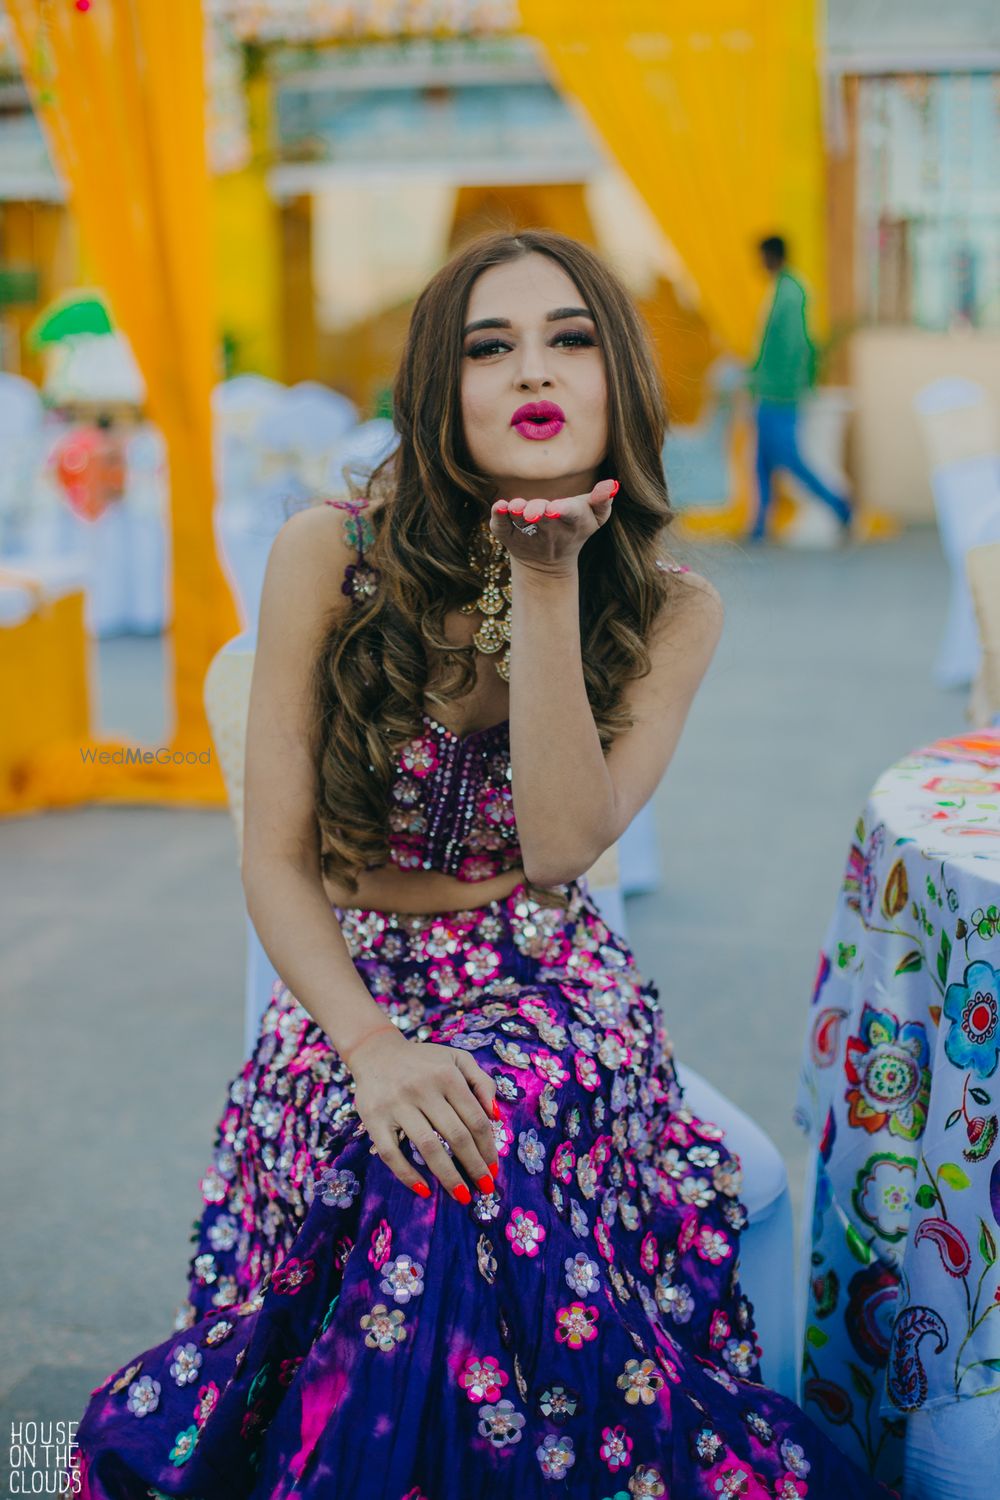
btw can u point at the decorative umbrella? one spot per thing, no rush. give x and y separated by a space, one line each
75 312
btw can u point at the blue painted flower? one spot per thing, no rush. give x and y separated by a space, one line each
973 1008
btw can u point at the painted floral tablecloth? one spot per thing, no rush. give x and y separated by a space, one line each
901 1093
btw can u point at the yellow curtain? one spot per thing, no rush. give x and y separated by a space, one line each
713 111
120 91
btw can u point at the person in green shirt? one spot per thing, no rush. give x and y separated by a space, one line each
784 369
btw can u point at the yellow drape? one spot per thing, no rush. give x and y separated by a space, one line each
713 111
120 92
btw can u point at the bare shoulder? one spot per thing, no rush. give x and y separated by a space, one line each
306 565
695 611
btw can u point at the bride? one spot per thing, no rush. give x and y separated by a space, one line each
460 1234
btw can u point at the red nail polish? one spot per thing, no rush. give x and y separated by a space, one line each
486 1184
421 1189
517 510
494 1170
462 1193
614 492
553 514
502 507
496 1111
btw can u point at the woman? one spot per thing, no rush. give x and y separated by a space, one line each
461 1236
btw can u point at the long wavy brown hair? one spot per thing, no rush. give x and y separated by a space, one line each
371 675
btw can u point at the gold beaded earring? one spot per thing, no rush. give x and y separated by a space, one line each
488 558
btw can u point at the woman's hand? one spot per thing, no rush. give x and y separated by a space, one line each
563 526
426 1091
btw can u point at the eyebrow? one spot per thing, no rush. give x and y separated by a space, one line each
550 317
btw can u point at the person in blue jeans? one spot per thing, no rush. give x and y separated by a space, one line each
784 369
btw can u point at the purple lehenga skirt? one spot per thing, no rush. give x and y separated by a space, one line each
580 1332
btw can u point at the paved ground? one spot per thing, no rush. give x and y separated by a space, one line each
123 939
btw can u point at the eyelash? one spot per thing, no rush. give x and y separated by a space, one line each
579 338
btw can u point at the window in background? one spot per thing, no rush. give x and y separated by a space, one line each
929 200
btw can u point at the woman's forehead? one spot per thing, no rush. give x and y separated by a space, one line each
532 286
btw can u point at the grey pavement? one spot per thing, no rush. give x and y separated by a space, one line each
122 935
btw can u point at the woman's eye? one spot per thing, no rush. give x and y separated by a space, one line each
572 336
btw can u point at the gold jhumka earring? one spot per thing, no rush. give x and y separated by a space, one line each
488 558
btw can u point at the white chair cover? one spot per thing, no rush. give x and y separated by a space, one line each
359 452
21 439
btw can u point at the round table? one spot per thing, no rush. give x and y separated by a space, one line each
900 1093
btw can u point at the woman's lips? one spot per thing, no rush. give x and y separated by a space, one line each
536 431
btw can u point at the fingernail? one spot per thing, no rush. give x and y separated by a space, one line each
614 492
517 510
495 1169
486 1184
421 1189
553 515
462 1193
496 1111
502 507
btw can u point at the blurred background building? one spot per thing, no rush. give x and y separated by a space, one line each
347 165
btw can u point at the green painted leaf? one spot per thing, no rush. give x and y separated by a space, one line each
861 1383
858 1246
816 1336
987 1244
954 1176
943 957
980 1096
911 964
953 1119
926 1196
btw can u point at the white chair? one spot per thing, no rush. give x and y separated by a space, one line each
21 437
358 453
248 510
960 430
299 437
767 1248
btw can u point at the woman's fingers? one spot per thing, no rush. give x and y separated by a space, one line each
424 1133
485 1093
386 1143
528 512
470 1149
470 1112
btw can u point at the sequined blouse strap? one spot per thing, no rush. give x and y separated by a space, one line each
360 577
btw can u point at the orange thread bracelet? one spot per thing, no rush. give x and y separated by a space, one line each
383 1026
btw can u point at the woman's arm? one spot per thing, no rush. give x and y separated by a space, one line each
281 847
425 1090
570 800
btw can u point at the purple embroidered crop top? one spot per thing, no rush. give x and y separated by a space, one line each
452 807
